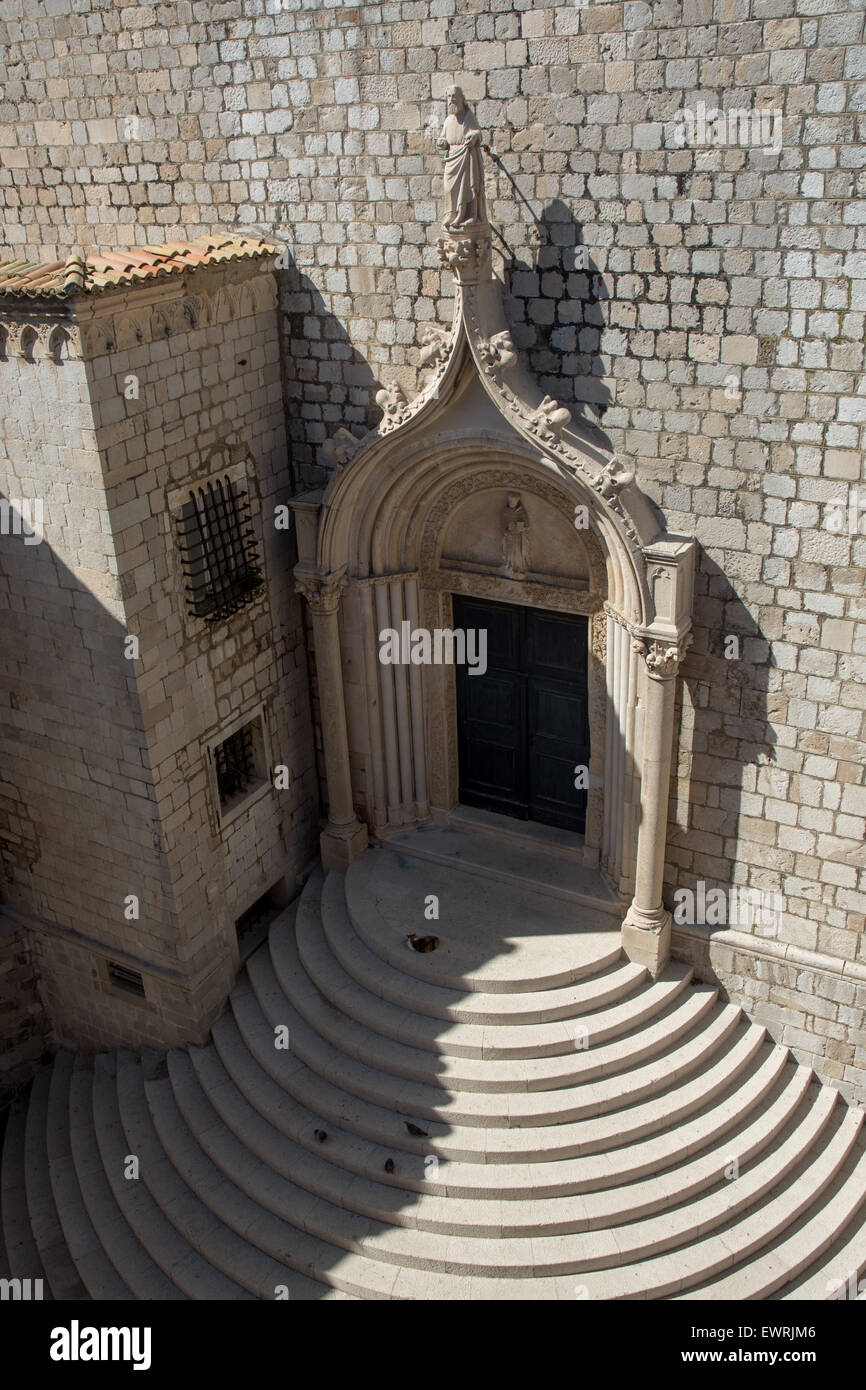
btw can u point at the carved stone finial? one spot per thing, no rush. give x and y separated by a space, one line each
468 258
549 419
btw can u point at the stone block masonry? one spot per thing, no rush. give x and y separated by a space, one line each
715 333
25 1033
109 788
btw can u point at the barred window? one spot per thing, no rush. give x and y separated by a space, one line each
235 765
219 554
239 763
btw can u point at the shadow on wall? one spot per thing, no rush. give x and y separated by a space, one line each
726 746
555 308
555 311
327 383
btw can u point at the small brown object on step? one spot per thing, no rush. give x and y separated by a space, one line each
389 1165
423 943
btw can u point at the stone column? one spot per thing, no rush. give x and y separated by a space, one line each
646 931
345 837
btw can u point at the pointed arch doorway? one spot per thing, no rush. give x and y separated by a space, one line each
418 518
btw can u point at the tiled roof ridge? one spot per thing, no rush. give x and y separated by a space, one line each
91 271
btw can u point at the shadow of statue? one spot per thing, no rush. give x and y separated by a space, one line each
555 307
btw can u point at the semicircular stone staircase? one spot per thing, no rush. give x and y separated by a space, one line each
520 1113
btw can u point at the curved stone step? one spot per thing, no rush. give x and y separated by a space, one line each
22 1252
162 1247
468 1254
454 1039
441 1098
578 948
96 1270
60 1271
690 1268
203 1082
218 1257
845 1259
791 1252
363 1137
495 1142
616 983
266 1251
120 1243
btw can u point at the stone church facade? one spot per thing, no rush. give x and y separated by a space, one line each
277 397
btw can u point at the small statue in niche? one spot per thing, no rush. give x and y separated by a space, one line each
460 137
515 541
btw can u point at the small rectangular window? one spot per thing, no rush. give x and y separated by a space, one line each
239 762
220 558
124 978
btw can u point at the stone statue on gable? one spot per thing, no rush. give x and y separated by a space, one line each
460 137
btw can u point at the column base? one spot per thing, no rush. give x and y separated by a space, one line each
341 845
647 940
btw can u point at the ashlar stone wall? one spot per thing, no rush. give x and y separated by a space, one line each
700 303
115 848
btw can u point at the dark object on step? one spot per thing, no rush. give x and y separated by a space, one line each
389 1165
321 1135
423 943
413 1129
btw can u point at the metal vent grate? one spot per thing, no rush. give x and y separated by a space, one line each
126 979
218 551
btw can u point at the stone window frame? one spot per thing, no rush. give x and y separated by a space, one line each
225 817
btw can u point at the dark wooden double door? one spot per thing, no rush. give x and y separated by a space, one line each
523 725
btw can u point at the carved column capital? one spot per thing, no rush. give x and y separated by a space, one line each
322 591
467 255
662 657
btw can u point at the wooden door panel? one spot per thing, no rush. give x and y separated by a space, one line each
523 725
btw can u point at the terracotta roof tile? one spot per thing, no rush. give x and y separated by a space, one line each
101 270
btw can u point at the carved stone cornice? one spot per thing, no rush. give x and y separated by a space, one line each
133 315
38 333
322 591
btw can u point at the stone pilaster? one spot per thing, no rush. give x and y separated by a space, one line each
646 931
345 837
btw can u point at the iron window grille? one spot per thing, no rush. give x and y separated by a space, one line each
235 762
218 549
